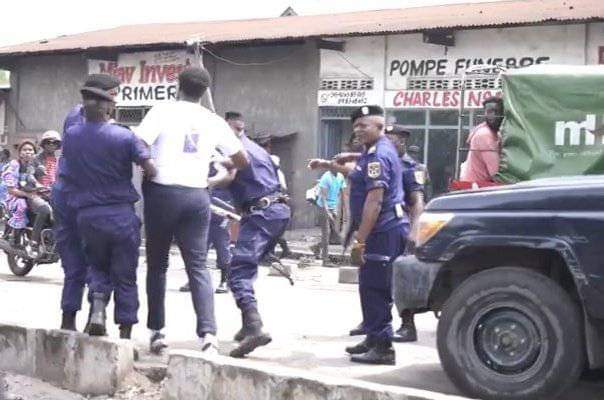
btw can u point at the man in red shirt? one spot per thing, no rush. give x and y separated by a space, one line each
50 143
485 145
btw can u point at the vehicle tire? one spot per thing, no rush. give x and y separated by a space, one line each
511 333
18 265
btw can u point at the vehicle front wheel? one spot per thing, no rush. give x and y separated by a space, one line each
18 265
511 333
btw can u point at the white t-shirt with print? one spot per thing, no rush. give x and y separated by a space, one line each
183 137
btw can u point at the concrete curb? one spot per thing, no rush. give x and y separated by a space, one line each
192 376
70 360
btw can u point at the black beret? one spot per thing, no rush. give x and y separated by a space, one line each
195 75
233 115
102 81
397 130
365 111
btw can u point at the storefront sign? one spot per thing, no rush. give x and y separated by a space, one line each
343 98
147 78
437 98
408 57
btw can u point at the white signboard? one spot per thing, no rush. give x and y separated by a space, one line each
147 78
408 56
437 98
343 98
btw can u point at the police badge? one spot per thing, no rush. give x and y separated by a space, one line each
374 170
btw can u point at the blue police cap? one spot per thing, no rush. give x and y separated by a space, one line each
102 81
366 111
99 85
398 130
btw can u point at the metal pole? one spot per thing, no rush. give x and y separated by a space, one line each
199 55
460 124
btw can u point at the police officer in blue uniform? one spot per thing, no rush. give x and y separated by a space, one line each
69 243
256 192
97 172
414 206
376 207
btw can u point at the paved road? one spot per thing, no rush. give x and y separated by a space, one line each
308 322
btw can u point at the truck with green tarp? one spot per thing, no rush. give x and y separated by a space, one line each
554 119
515 271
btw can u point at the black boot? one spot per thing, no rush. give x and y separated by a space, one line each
358 331
241 333
360 348
98 316
407 332
68 322
254 336
382 353
125 331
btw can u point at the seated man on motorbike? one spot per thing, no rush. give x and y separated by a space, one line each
46 161
24 191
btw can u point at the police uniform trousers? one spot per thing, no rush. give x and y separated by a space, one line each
258 234
182 213
69 247
375 281
111 237
219 238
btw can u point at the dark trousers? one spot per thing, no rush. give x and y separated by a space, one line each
375 281
69 246
182 213
42 211
257 236
112 239
218 237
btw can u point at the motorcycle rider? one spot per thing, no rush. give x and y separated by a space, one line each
23 193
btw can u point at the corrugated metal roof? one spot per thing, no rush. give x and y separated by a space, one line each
517 12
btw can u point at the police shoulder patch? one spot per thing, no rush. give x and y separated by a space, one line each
374 169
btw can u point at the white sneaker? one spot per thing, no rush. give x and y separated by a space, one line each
209 345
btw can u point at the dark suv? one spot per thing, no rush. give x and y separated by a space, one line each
517 274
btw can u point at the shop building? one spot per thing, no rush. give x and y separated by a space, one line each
300 77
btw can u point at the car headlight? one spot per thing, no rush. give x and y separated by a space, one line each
430 223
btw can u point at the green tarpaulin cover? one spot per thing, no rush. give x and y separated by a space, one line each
550 112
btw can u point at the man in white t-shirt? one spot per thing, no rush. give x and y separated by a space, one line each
183 135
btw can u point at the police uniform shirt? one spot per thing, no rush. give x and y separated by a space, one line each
378 167
183 136
99 157
258 179
75 117
412 181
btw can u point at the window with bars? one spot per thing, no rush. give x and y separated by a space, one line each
130 115
439 83
346 84
336 112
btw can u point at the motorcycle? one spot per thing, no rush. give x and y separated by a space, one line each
20 255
